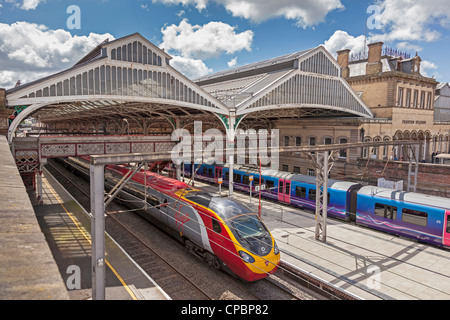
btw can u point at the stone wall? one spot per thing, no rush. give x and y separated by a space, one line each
4 113
433 179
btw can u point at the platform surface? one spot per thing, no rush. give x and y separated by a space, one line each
27 268
66 226
369 264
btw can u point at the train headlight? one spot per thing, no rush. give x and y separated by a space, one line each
246 257
275 248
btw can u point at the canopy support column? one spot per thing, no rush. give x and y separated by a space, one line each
98 261
231 135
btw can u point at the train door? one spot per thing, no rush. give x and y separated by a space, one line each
164 211
287 191
284 190
216 238
352 202
218 174
281 189
446 234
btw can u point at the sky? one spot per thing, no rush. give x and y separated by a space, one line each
43 37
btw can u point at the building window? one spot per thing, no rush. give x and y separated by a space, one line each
416 97
385 148
286 141
311 172
327 141
343 152
298 141
312 142
422 100
285 168
400 97
297 170
408 98
429 101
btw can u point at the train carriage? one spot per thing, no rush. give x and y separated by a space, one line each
222 231
421 217
294 189
408 214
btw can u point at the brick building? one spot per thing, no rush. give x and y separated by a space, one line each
401 99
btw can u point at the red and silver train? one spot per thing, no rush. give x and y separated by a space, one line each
221 230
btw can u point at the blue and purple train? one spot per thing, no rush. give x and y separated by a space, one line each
413 215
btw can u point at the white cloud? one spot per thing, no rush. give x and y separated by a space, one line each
30 4
428 69
25 4
207 41
412 20
342 40
306 13
199 4
30 51
232 62
193 43
191 68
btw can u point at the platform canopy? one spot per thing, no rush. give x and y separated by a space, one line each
130 80
307 83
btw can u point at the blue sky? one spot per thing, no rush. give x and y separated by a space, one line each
207 36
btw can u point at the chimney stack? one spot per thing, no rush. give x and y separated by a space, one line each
343 60
374 64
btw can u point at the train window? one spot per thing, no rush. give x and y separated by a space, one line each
312 195
300 192
385 211
269 185
216 226
227 176
210 172
237 177
415 217
448 224
287 187
245 179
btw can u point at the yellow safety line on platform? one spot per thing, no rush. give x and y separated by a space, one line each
89 240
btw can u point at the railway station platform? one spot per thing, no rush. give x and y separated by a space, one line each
67 226
45 250
27 268
368 264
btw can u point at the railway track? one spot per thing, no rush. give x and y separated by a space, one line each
181 275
